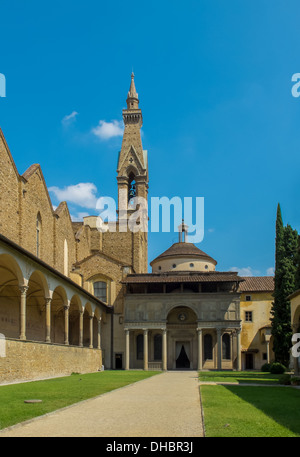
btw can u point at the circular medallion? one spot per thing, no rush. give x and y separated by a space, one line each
182 317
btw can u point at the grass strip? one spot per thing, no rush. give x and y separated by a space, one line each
59 392
244 411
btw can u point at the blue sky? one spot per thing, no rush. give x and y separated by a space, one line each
214 82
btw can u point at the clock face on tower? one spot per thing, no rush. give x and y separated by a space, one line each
182 317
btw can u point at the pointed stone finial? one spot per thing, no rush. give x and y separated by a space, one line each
132 97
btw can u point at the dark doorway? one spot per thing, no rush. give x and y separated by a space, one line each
119 362
182 360
249 361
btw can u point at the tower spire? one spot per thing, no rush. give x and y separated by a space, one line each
132 97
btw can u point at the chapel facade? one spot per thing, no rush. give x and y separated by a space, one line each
74 298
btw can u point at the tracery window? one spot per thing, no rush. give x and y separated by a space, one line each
100 290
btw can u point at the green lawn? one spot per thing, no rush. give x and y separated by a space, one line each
257 377
244 411
60 392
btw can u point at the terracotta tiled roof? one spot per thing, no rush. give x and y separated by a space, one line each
181 276
184 250
257 284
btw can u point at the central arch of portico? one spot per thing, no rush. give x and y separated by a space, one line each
182 338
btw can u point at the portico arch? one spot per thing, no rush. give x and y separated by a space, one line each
74 320
59 304
11 280
182 338
37 293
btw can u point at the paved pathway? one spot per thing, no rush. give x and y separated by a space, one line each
166 405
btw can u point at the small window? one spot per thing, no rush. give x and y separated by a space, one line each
191 265
174 265
100 290
248 297
265 356
159 267
206 267
248 316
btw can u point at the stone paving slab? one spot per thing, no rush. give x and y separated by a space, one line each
165 405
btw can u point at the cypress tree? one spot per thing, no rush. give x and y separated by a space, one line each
297 278
286 245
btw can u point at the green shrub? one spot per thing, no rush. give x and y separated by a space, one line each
295 381
266 367
277 368
285 379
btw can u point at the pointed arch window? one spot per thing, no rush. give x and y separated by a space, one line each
38 234
131 187
100 290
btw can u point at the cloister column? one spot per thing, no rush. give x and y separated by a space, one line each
164 349
268 351
219 350
238 350
91 331
99 333
127 348
200 356
23 290
146 349
48 320
81 328
231 347
66 308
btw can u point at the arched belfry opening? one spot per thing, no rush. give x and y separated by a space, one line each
131 186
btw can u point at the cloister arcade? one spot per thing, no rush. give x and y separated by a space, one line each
39 304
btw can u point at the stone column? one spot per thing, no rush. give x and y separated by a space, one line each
200 355
268 351
23 290
164 349
81 328
66 308
231 348
219 350
91 331
99 333
48 320
146 349
238 350
127 349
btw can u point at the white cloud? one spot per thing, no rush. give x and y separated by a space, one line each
78 217
67 120
106 130
270 271
245 271
82 194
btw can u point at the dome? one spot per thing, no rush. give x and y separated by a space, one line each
183 256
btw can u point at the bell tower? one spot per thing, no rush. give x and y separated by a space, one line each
132 163
132 178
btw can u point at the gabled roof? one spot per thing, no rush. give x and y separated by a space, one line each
257 284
